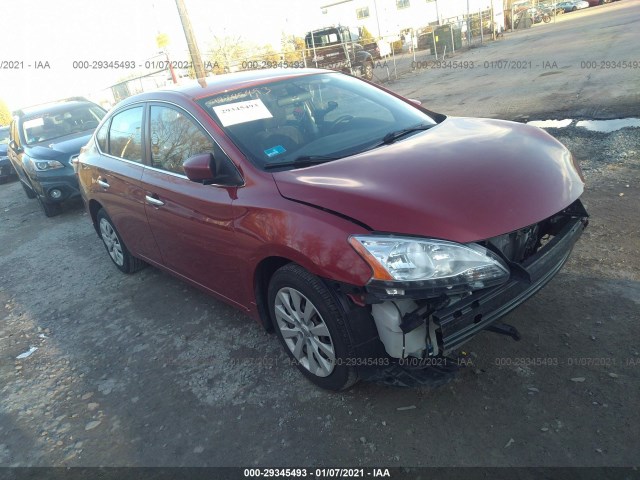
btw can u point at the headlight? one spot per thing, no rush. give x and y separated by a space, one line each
430 263
44 165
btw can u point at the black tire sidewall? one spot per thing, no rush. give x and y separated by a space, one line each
344 375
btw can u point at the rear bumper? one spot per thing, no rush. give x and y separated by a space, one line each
461 321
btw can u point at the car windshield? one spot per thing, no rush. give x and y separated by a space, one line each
4 136
312 119
59 123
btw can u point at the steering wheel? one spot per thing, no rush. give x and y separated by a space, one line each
339 121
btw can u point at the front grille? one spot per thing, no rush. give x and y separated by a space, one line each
521 244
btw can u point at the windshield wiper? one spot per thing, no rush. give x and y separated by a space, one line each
302 161
393 136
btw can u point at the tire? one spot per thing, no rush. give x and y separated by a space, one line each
319 345
116 248
368 71
27 190
50 209
546 18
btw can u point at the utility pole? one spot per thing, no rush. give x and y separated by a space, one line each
196 59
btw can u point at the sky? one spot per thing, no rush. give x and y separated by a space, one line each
61 32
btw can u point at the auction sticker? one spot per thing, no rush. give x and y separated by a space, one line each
242 112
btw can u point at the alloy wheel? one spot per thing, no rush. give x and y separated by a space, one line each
304 332
112 242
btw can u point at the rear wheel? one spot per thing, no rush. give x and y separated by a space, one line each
116 248
311 327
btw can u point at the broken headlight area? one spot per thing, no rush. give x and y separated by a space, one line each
445 306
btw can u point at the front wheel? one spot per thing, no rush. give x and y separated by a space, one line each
546 18
50 209
116 248
311 327
27 190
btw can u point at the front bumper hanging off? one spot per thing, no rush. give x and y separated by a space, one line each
461 321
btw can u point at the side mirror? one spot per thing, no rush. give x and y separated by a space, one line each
199 168
207 168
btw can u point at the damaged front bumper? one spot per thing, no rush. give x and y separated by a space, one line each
417 322
461 321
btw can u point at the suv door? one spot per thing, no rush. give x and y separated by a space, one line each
113 171
191 222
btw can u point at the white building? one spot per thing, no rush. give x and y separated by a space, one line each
388 17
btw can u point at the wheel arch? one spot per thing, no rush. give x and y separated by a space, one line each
94 207
261 278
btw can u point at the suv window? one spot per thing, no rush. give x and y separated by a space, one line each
174 138
125 135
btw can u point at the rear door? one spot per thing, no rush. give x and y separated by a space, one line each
113 173
191 222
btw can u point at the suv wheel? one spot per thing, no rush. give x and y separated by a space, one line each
49 209
27 190
311 327
116 248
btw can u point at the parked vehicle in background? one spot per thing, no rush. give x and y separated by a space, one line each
6 170
595 3
337 48
373 235
573 5
44 140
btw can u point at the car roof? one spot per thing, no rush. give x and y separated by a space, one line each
224 83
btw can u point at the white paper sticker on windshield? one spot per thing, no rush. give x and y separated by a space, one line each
34 122
241 112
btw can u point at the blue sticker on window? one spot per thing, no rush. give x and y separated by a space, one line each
273 151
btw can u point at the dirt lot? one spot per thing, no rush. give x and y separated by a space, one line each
143 370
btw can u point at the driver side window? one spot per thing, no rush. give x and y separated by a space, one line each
174 138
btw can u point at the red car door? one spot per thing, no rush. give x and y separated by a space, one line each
192 223
114 176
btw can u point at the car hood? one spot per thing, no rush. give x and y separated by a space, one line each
463 180
59 148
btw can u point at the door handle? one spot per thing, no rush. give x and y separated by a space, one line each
154 201
102 183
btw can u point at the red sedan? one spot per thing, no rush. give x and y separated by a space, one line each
372 235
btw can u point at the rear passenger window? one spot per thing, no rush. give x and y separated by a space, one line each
174 138
125 135
101 137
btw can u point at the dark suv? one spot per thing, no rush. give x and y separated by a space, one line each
44 139
6 170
